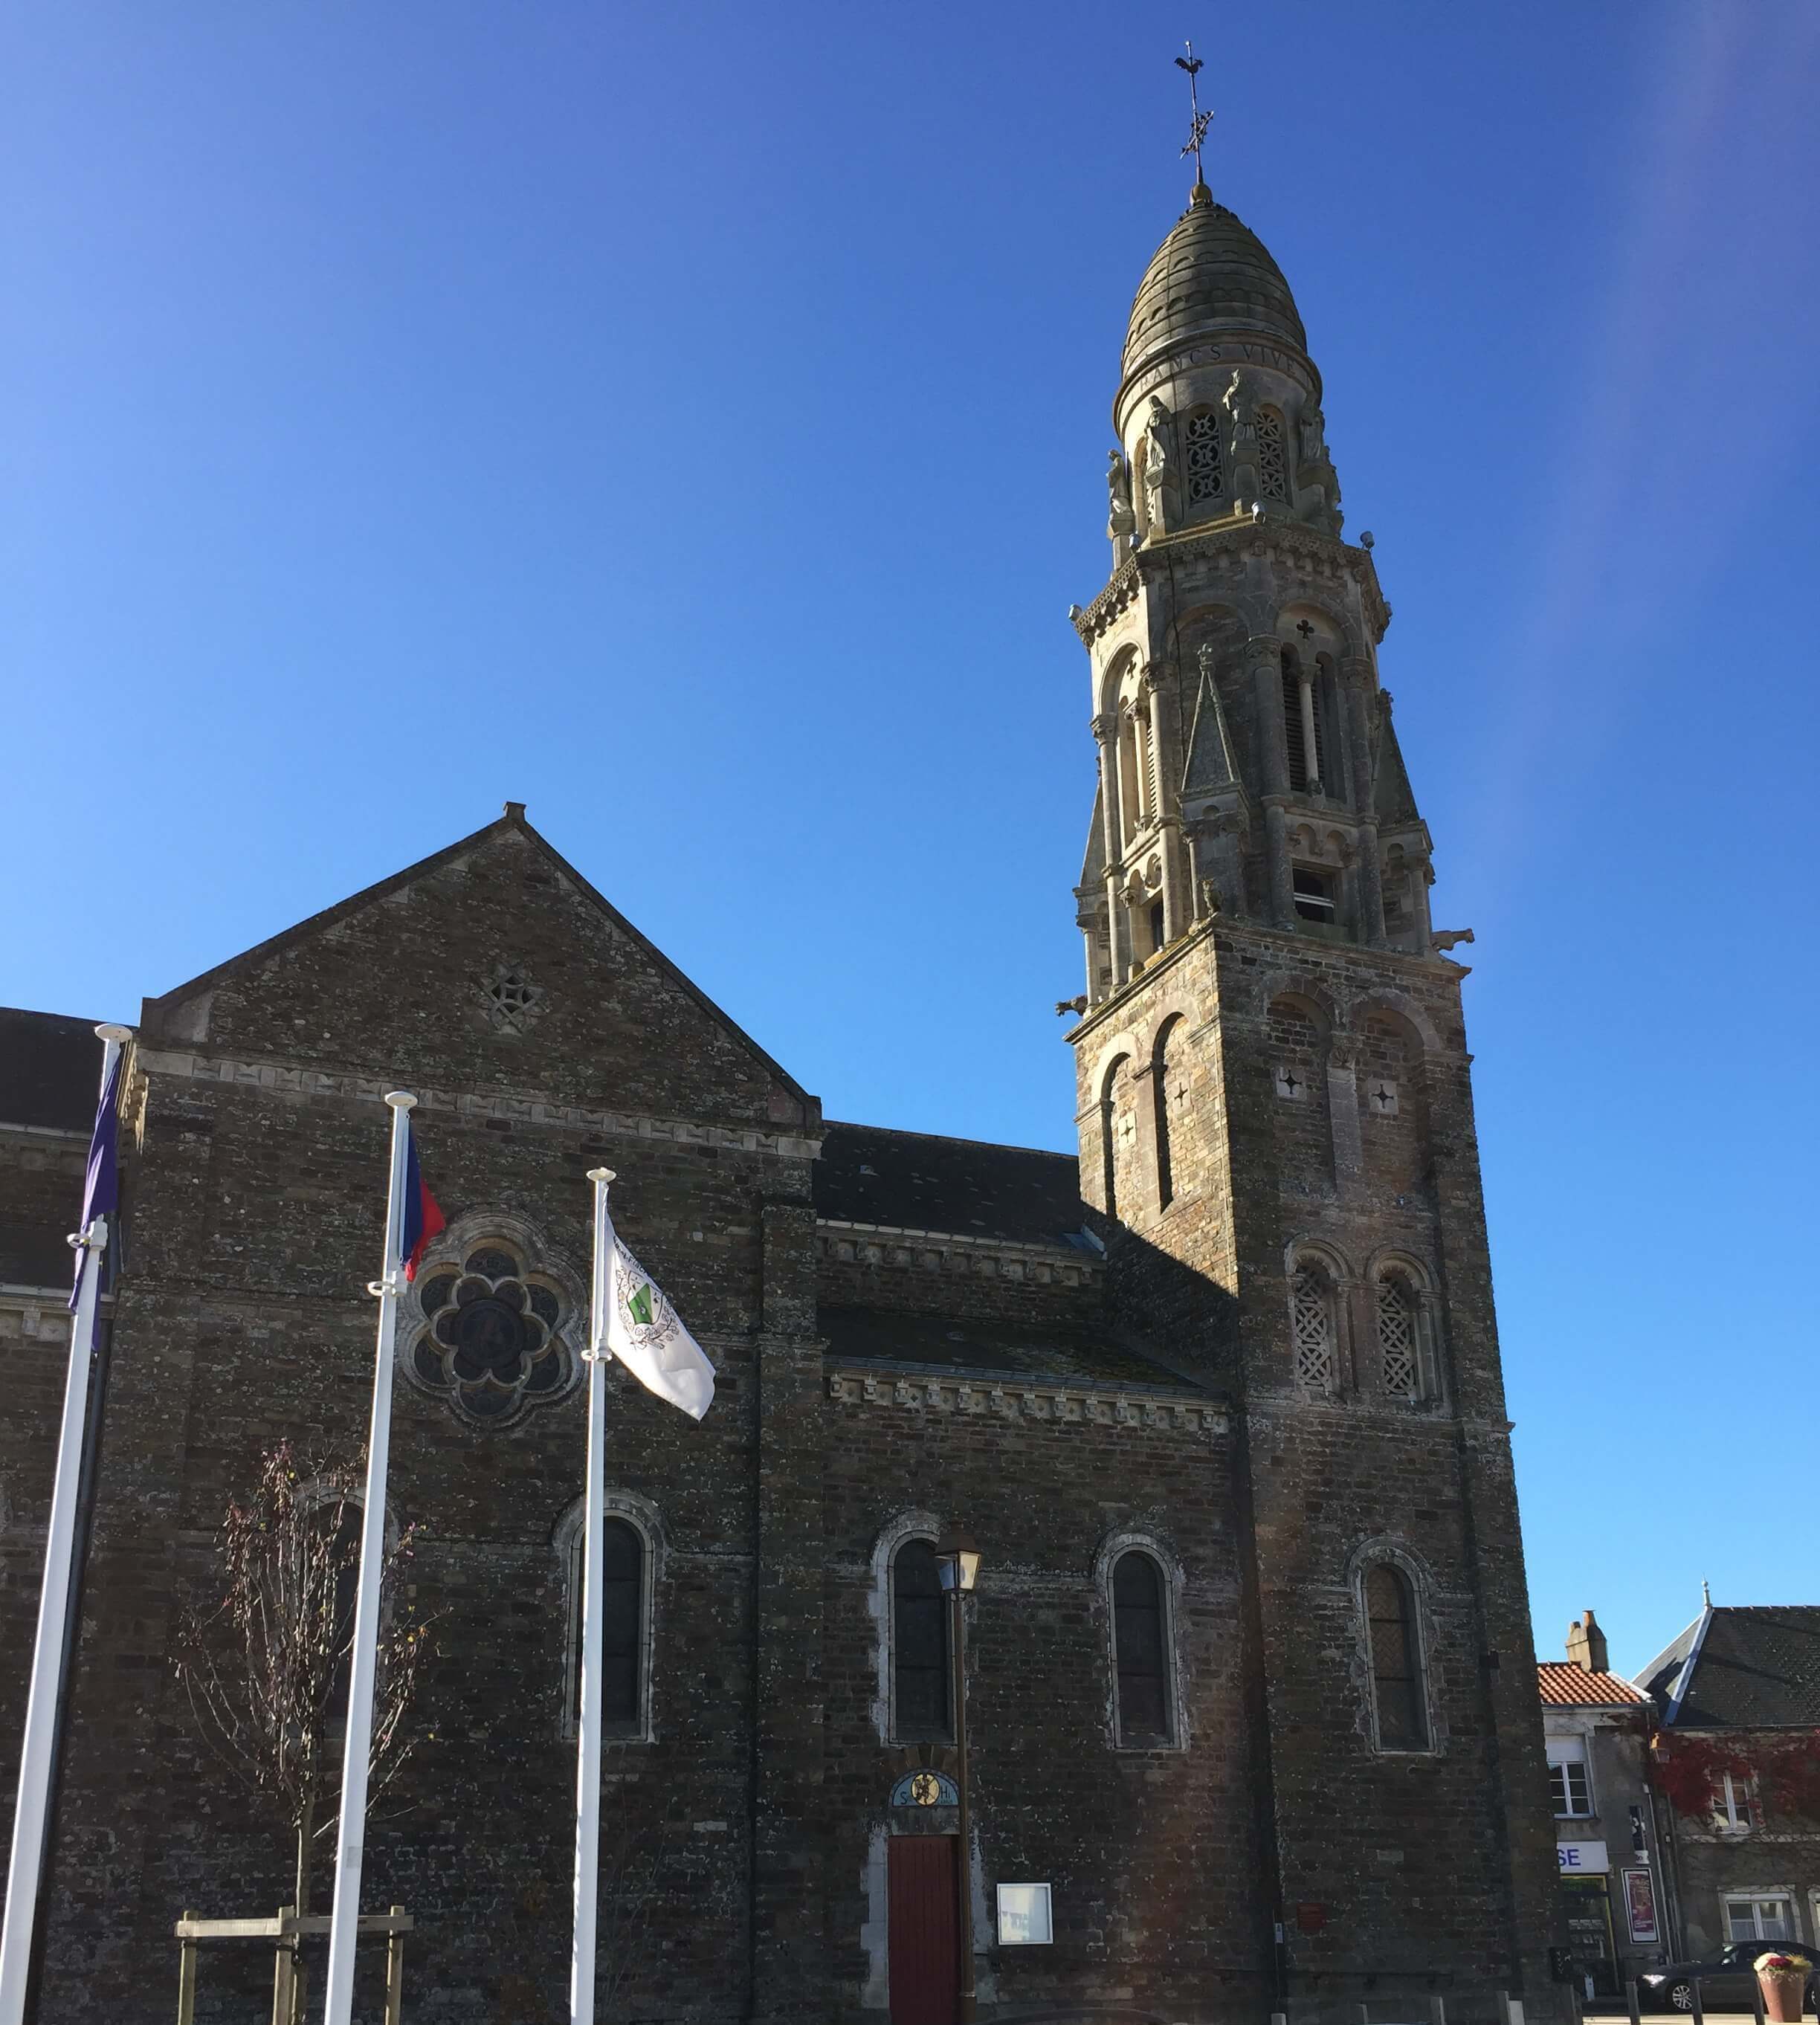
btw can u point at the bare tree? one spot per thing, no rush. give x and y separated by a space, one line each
266 1664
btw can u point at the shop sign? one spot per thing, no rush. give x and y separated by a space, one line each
1581 1859
1640 1907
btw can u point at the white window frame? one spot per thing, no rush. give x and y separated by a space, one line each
1757 1897
1731 1813
1584 1761
641 1515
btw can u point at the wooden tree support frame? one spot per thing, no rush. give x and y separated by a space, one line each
284 1930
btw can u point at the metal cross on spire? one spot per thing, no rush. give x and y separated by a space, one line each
1197 131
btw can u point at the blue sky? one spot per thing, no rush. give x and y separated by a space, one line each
691 422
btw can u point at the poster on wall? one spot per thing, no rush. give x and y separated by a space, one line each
1640 1907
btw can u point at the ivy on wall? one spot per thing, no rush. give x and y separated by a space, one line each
1784 1770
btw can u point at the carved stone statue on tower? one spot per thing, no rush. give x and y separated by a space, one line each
1240 404
1121 519
1160 493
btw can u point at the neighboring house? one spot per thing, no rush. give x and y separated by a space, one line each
1596 1728
1736 1769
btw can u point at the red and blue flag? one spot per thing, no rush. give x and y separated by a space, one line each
422 1219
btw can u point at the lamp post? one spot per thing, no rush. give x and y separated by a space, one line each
957 1562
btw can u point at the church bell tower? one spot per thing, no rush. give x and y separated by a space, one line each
1276 1122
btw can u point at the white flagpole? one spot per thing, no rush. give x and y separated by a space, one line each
587 1803
344 1915
26 1865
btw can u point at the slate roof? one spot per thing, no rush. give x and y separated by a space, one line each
967 1347
1210 766
1752 1668
50 1068
1565 1686
1393 800
916 1181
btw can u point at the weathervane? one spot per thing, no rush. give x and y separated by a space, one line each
1198 132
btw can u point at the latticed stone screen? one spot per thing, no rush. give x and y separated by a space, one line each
1206 478
1312 1314
1396 1336
1273 467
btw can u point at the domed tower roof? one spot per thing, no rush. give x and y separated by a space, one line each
1211 277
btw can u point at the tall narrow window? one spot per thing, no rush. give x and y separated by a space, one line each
1273 473
1164 1078
919 1646
1398 1341
1206 480
1396 1677
1731 1809
621 1627
1115 1126
1567 1775
1311 1320
1140 1649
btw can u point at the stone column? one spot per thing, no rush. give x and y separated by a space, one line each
1105 730
1178 906
1356 678
1165 787
1118 930
1311 741
1264 659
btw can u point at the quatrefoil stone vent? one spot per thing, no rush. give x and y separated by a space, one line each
512 1000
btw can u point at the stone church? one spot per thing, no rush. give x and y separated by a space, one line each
1250 1693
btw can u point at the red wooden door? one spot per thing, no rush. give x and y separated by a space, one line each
923 1932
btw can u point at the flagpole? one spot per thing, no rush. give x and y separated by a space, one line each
587 1805
25 1869
344 1914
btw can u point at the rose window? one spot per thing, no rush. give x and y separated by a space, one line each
491 1341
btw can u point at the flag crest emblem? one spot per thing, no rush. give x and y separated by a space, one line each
644 1332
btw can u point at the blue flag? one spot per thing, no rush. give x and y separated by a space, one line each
102 1190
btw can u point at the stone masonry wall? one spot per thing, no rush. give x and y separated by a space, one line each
1149 1852
256 1200
1410 1872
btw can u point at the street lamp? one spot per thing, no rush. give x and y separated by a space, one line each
957 1564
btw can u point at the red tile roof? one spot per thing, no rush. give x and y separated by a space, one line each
1564 1685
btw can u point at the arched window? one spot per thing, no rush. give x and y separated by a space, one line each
1400 1336
1115 1125
920 1664
625 1623
1273 469
1399 1699
1304 740
1140 1651
1206 471
1313 1313
1165 1076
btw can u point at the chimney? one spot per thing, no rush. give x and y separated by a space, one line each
1586 1646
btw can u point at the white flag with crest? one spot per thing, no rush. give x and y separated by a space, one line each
646 1334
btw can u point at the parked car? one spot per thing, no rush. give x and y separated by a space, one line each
1727 1979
